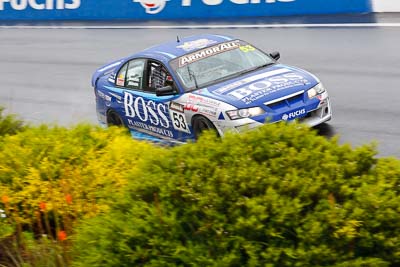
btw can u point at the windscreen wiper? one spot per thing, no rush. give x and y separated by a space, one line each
192 76
258 67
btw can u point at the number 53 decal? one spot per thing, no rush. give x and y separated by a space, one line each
179 121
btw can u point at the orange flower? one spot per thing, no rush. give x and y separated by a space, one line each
42 206
5 199
68 198
62 235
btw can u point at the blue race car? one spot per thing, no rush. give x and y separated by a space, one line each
174 91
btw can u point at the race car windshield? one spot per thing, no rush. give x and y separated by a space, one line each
218 63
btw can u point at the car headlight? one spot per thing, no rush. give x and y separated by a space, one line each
316 90
244 113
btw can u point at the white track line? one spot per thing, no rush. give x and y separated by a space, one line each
206 26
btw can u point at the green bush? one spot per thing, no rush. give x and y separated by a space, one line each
51 177
9 124
277 196
75 170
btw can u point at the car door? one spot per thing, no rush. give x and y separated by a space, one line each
159 77
142 109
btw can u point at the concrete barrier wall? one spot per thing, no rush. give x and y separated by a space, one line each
180 9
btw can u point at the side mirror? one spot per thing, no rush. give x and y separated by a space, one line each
275 55
166 90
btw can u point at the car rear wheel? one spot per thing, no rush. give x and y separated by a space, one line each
113 118
201 124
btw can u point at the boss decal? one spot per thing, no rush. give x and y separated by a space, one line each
224 89
146 111
265 87
150 128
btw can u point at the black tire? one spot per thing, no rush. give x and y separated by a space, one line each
113 119
201 124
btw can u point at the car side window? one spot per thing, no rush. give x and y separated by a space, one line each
158 76
131 74
121 76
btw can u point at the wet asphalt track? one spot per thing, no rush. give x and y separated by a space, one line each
45 73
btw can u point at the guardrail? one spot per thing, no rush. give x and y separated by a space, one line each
180 9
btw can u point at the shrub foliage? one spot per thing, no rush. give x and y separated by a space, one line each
51 177
9 124
276 196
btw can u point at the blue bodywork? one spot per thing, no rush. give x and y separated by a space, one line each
155 117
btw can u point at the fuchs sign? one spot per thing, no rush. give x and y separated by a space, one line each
171 9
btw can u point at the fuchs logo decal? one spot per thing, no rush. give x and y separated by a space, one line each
293 114
152 6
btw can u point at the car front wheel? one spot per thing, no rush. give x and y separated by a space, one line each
201 124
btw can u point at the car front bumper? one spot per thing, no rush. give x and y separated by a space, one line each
313 117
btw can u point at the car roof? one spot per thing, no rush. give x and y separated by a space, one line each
173 49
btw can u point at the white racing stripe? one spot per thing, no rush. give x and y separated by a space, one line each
283 98
207 26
